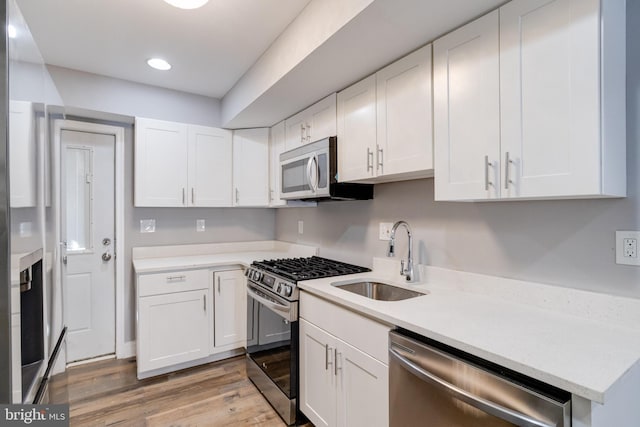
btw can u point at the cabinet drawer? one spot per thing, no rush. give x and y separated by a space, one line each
359 331
173 281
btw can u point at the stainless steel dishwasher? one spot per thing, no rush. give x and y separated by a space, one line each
433 385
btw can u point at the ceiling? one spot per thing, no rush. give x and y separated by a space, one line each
210 48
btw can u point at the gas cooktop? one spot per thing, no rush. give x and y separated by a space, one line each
314 267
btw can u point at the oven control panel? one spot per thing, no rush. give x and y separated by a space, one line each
278 285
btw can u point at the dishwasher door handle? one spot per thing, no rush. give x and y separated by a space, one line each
487 406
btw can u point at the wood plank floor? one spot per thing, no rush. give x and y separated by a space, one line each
107 393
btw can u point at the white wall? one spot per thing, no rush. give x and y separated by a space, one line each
94 92
568 243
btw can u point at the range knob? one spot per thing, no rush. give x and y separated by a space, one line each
287 290
257 275
279 288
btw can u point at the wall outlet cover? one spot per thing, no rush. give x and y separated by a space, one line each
385 230
301 227
147 225
627 247
200 225
26 229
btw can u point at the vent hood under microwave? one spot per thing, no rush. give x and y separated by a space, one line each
310 173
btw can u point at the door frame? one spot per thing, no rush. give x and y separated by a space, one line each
123 348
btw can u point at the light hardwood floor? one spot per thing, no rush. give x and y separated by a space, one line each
107 393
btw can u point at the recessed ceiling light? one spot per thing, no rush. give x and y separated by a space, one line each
11 31
187 4
159 64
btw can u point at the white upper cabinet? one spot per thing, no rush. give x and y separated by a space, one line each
385 123
466 90
181 165
251 167
404 124
276 146
161 162
357 131
210 161
316 122
560 126
22 154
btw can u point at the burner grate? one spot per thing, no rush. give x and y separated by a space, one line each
314 267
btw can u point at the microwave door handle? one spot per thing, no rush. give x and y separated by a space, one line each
487 406
315 168
309 163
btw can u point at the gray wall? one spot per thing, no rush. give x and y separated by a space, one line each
93 92
568 243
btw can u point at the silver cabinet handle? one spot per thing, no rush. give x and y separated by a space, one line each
172 278
184 196
302 138
507 166
237 195
335 361
326 357
487 406
380 158
487 164
369 159
193 195
204 302
308 127
218 285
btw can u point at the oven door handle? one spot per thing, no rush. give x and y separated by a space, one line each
286 311
487 406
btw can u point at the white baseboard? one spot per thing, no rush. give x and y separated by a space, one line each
126 350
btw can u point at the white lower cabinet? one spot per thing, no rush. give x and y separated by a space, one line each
344 375
230 309
185 318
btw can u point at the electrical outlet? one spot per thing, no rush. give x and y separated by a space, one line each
627 247
200 227
300 227
385 230
147 225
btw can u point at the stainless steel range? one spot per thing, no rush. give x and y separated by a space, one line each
272 325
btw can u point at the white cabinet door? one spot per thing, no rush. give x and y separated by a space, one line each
550 97
160 163
404 115
16 362
317 376
357 131
230 313
173 328
276 146
321 119
363 389
466 91
251 167
22 154
295 131
210 164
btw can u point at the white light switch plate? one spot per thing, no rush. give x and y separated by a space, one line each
627 244
147 225
200 227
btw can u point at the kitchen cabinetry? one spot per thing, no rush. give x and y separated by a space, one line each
385 125
343 381
174 319
22 154
547 118
315 122
230 309
251 167
176 165
276 146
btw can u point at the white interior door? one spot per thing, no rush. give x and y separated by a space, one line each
88 228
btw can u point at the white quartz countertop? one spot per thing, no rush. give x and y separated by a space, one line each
187 257
575 349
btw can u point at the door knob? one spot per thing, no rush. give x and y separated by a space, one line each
106 256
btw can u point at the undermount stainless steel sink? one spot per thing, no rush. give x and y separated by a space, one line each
378 291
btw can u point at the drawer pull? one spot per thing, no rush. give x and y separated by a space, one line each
174 278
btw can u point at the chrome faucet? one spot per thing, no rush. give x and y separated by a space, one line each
406 271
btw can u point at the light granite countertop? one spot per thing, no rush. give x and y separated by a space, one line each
578 341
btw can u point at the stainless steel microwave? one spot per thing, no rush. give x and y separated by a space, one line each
310 172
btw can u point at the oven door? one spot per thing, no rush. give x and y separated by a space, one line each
272 337
306 176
